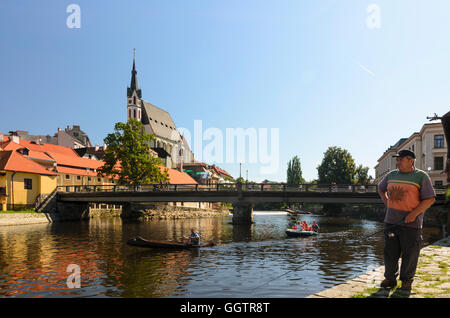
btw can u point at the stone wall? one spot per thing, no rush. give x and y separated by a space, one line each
434 216
160 212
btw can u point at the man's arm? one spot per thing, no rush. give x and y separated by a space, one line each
421 208
382 195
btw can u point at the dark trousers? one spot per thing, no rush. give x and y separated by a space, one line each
404 242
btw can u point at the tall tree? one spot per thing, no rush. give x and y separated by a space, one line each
294 172
127 156
362 175
338 166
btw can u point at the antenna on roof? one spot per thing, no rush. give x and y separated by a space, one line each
435 117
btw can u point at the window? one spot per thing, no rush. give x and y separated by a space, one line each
438 163
99 180
129 113
134 113
27 184
438 141
89 178
78 177
67 176
134 100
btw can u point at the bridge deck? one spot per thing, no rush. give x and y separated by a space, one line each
233 193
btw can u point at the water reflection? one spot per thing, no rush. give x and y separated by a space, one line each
34 258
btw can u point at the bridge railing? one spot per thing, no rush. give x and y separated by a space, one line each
232 187
254 187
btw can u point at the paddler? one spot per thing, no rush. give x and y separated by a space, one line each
315 227
194 238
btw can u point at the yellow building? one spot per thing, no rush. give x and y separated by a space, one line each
23 182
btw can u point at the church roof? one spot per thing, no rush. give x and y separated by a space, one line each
159 121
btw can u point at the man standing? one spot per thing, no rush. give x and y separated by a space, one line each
407 193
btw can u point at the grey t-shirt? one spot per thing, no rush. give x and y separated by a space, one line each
404 193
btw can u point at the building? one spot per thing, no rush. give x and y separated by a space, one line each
70 137
30 171
430 148
23 181
70 168
170 145
206 174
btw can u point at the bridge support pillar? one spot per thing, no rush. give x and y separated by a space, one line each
242 213
72 211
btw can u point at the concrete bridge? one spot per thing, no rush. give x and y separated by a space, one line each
242 196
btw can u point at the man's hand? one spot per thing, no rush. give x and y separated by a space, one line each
411 217
421 208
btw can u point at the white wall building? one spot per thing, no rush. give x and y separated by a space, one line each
430 147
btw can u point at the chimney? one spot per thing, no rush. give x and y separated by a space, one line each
104 147
96 147
15 139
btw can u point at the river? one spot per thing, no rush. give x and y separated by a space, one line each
249 261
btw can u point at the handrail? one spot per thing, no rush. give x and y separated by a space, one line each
232 187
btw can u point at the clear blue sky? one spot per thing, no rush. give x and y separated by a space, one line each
313 69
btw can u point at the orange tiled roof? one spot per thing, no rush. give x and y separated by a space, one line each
11 160
75 171
75 160
177 177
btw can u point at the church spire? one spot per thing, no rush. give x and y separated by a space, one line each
134 82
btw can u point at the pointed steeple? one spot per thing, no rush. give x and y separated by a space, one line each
134 82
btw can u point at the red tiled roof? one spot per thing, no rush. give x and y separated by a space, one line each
75 160
13 161
177 177
80 172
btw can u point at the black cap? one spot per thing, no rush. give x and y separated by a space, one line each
404 153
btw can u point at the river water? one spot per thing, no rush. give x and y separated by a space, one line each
249 261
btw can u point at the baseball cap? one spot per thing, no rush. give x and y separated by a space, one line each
404 153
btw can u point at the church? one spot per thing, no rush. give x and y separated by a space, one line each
170 145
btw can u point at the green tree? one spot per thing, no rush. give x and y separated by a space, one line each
338 166
362 175
294 172
127 156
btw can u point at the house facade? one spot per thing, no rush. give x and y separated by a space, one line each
430 148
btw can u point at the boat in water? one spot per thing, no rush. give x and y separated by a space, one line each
141 242
296 212
300 233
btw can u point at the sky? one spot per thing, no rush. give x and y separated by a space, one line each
355 74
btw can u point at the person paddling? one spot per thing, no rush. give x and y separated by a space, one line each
315 227
193 239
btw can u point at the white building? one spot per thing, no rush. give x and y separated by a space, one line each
430 147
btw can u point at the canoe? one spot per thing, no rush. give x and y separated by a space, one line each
296 212
139 241
298 233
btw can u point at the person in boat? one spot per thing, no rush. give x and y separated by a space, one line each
193 239
315 227
305 226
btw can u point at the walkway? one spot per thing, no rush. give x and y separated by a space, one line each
432 279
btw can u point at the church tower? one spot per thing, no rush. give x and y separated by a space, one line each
134 95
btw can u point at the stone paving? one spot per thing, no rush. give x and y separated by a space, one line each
432 279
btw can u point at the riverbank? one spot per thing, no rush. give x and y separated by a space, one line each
156 213
23 218
432 279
